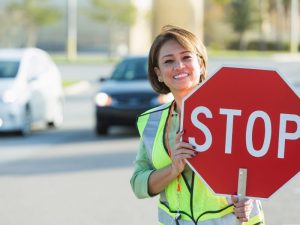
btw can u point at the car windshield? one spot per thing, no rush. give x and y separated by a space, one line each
8 69
133 69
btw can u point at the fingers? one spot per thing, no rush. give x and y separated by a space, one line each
184 154
246 202
234 199
179 144
178 136
242 208
183 150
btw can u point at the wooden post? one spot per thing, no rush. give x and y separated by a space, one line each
242 183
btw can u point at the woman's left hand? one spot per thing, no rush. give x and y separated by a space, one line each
242 208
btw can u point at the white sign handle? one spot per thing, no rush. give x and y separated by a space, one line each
242 183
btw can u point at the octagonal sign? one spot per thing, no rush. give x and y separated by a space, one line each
244 118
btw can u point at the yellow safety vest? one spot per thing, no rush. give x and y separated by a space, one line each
196 204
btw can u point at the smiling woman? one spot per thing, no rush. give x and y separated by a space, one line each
177 64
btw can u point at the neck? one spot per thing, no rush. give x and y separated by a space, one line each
178 97
178 105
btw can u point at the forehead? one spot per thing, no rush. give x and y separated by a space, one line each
171 47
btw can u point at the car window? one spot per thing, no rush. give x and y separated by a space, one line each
9 69
130 70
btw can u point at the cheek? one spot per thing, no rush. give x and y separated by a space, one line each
196 69
166 71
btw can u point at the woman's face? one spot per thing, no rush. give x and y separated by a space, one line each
178 68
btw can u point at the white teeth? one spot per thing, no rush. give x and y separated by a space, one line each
180 76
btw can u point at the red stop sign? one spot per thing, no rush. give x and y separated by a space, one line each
244 118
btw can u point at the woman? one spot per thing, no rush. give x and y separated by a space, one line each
177 64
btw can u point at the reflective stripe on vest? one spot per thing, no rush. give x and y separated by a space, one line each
166 219
150 131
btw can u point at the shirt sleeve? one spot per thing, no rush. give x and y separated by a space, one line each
141 173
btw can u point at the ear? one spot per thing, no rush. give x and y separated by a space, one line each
158 73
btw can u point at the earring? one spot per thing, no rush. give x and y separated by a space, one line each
160 80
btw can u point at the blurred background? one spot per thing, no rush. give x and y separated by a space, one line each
115 27
72 165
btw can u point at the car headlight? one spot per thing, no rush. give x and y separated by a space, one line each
103 99
9 96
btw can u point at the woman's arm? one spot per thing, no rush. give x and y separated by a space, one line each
141 173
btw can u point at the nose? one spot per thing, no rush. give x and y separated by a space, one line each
178 64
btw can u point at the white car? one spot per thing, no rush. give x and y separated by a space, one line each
30 90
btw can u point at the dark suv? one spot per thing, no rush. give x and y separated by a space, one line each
125 94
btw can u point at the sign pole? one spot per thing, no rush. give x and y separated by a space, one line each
242 183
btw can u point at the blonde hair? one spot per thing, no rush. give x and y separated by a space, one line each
187 40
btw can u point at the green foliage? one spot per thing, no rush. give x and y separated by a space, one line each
222 2
113 11
240 16
30 14
35 12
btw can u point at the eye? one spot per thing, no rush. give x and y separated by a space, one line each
187 57
168 61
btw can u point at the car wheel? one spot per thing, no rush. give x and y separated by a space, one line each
26 128
101 126
58 116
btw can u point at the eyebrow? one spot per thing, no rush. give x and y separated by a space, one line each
169 55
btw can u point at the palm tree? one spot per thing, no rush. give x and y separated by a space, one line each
240 18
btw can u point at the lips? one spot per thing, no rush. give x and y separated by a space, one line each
180 76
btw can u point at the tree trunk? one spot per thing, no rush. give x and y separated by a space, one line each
281 20
31 36
264 24
242 42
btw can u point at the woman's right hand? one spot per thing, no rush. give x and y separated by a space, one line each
181 152
159 179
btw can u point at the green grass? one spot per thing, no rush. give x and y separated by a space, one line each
68 83
236 53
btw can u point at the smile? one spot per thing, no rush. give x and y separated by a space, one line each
179 76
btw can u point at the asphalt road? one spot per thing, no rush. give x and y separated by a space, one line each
70 176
